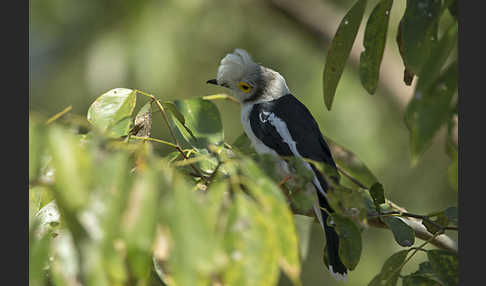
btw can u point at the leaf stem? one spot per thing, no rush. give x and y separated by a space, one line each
57 115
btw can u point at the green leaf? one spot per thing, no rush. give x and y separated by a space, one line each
378 195
252 247
452 214
349 240
390 271
423 276
202 118
193 260
402 232
244 145
339 50
433 64
171 107
139 220
38 258
348 202
453 171
417 36
446 265
73 171
303 226
278 215
413 280
429 110
112 112
374 45
350 163
36 146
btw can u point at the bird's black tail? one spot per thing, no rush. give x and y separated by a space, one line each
336 267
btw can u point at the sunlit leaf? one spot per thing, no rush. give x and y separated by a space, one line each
252 247
402 232
446 265
303 226
202 118
390 271
38 257
278 216
339 50
36 145
349 240
112 111
139 220
374 45
429 110
193 260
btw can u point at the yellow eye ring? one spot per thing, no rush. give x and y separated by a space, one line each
243 86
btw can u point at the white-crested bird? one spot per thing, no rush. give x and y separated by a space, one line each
278 123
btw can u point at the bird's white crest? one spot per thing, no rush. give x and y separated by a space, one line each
234 66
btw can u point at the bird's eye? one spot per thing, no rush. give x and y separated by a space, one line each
244 87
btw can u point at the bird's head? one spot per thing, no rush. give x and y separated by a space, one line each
248 80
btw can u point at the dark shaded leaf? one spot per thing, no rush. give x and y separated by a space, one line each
446 265
429 110
349 240
339 50
413 280
374 45
348 202
417 35
390 271
452 214
112 112
378 195
427 272
433 64
402 232
351 164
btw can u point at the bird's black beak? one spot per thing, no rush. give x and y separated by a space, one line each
213 81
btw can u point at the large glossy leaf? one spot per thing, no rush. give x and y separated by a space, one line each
390 271
278 215
139 220
349 240
339 50
73 171
252 247
193 260
402 232
202 118
112 111
36 146
374 45
446 265
429 110
417 36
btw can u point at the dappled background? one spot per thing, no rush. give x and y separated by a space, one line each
81 49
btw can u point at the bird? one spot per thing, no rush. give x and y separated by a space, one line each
277 123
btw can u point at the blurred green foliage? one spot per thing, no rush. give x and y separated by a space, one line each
132 213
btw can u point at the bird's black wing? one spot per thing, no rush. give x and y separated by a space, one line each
300 124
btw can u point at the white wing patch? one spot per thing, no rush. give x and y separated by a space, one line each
284 132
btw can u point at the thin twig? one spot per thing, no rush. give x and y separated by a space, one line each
56 116
358 183
177 145
154 140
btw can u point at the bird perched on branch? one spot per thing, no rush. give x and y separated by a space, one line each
278 123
